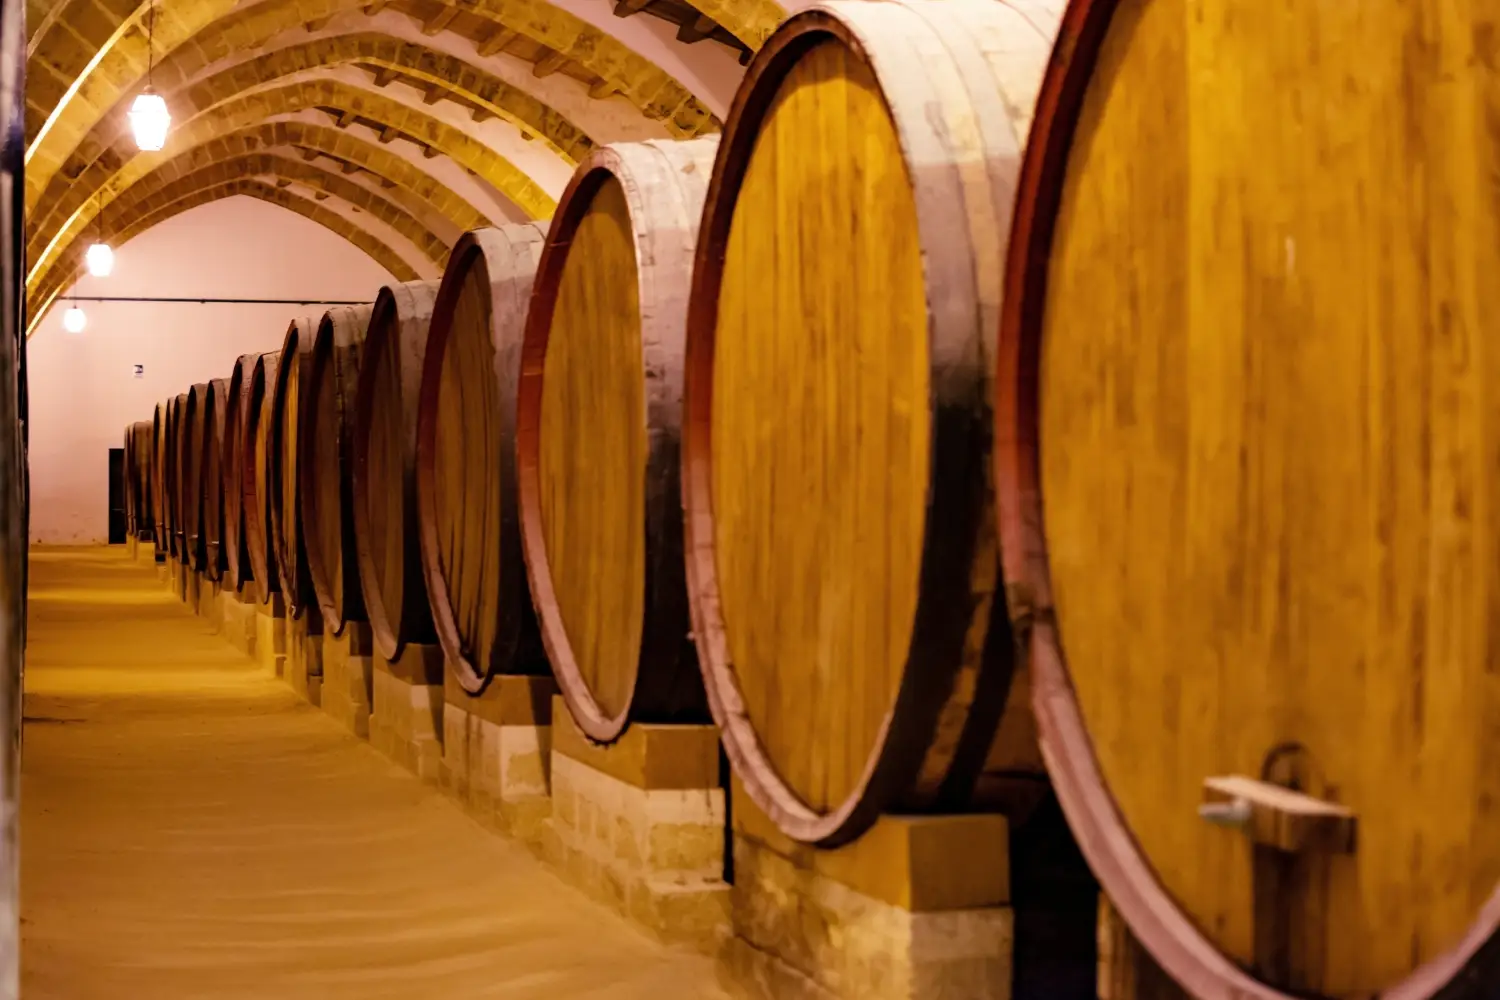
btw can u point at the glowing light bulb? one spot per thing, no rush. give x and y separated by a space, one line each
100 259
74 320
149 120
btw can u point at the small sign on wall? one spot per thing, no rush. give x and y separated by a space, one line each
140 371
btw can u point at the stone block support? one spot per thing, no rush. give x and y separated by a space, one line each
406 709
348 676
237 618
639 824
304 655
916 909
270 635
496 748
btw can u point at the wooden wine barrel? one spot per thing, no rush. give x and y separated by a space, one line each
327 490
129 474
175 432
466 479
1248 441
138 466
840 525
288 408
237 460
159 452
194 458
383 477
598 431
255 479
213 479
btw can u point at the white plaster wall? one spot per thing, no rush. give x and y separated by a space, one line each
83 390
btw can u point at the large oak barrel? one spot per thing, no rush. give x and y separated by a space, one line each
255 478
289 408
175 433
841 553
213 479
466 457
159 452
193 452
383 476
238 458
129 474
1248 446
598 436
139 470
327 489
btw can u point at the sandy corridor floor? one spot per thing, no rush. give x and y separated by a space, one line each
191 829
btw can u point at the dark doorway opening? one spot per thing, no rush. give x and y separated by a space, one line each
117 496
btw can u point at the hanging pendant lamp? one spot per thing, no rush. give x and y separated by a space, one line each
149 118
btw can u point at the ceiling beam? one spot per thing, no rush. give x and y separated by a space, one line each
603 90
696 29
430 152
481 115
344 119
316 24
497 40
439 21
349 167
309 155
550 62
435 92
376 7
388 134
624 8
383 76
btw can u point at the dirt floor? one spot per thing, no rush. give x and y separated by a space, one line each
191 829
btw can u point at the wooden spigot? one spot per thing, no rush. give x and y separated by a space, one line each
1277 817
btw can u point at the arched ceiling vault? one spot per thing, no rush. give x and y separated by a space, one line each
109 176
254 188
107 67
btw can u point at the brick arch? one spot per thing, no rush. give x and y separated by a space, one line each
41 301
120 167
288 168
198 33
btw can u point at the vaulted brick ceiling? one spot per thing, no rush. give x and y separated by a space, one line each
397 124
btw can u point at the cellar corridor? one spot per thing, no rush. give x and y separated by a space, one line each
194 829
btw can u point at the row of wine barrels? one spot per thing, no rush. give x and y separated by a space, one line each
138 463
159 452
255 476
1247 440
466 449
193 455
598 436
326 465
840 526
213 479
175 431
129 474
288 409
234 464
383 473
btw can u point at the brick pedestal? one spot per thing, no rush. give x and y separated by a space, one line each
495 753
237 618
639 824
208 605
348 676
406 710
916 909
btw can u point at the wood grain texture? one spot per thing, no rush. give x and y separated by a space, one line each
1246 363
175 415
598 439
288 409
145 460
255 482
841 555
213 479
327 489
466 457
383 476
234 465
192 448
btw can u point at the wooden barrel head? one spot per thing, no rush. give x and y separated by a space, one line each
383 477
841 554
289 407
327 430
466 486
213 479
255 480
598 436
236 420
1249 437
